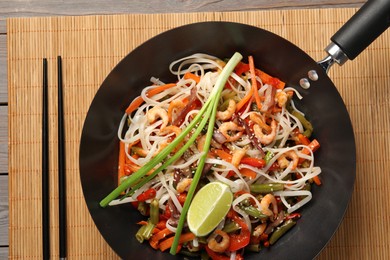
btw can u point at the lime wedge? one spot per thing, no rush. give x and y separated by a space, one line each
209 207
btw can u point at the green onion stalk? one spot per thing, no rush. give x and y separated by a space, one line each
211 112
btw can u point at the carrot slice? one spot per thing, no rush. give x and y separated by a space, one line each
159 89
167 243
121 161
317 180
139 100
223 155
255 90
248 173
192 76
134 105
245 100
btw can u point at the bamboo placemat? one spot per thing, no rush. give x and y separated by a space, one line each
92 45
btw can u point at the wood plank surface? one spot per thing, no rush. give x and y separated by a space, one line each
3 252
3 140
12 8
3 70
29 8
3 211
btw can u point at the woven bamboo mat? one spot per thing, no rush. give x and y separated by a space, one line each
91 46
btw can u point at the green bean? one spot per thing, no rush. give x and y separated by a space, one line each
253 247
154 211
145 232
280 231
254 212
231 227
142 208
268 156
139 235
265 188
305 123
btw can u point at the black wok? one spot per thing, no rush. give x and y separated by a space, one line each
273 54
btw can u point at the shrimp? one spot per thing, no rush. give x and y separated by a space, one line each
258 119
284 163
281 97
169 130
259 229
260 127
174 107
231 131
228 113
200 143
183 184
237 156
222 246
266 202
158 112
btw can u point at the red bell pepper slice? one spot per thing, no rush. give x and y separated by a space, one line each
255 162
148 194
241 240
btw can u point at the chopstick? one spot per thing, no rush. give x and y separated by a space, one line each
45 168
61 165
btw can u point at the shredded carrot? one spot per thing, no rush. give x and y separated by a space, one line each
192 76
244 100
255 90
161 224
153 244
167 243
248 173
139 100
223 155
303 139
313 146
158 89
317 180
161 235
121 161
134 105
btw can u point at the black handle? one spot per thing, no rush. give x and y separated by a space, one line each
372 19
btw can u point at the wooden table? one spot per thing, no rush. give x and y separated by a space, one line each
9 8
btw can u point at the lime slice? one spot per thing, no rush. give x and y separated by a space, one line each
208 208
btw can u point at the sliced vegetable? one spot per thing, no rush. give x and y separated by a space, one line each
168 243
280 231
265 188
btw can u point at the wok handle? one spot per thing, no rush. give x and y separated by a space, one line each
370 21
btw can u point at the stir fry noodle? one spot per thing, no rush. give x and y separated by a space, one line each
222 125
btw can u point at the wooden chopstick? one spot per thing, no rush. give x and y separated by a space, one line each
61 165
45 168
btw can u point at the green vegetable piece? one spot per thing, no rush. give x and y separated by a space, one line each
231 227
154 212
280 231
268 156
254 247
254 212
265 188
145 232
